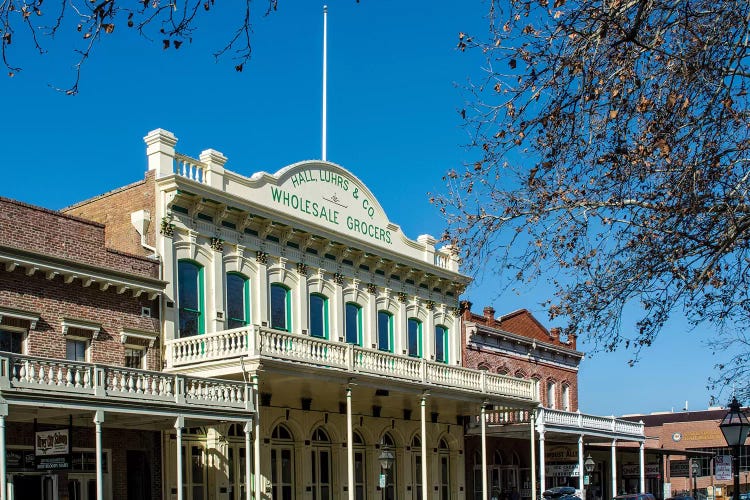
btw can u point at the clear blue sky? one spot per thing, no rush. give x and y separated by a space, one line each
394 95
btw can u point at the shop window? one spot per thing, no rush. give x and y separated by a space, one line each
385 331
281 310
238 300
353 323
318 315
414 337
441 344
190 298
11 341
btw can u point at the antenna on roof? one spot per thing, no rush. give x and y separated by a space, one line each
325 79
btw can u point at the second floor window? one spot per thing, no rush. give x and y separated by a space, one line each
75 350
281 310
353 323
318 316
134 357
441 344
238 300
11 341
190 297
414 333
385 331
551 399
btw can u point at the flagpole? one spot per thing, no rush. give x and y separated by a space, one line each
325 78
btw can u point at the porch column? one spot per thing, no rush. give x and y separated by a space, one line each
532 420
248 490
3 450
542 464
178 425
580 465
642 471
614 467
423 405
259 483
483 418
349 444
98 419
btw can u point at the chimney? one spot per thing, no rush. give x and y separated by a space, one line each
489 315
464 308
572 340
554 333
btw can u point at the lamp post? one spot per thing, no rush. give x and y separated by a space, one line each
386 462
589 465
735 428
695 469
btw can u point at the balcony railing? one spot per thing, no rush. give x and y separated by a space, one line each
253 341
567 421
46 377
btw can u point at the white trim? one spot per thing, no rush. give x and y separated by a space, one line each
128 333
15 313
94 328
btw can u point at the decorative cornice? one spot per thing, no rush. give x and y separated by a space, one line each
127 333
32 318
94 328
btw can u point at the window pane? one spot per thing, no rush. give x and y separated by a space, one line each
414 328
352 323
236 300
318 316
75 350
189 297
384 331
279 307
10 341
441 338
133 358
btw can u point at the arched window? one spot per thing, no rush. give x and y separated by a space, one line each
238 300
360 475
320 464
414 337
551 396
282 463
416 465
281 307
441 344
566 397
444 471
353 323
190 298
385 331
318 315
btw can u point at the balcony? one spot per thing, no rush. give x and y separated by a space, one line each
34 381
264 344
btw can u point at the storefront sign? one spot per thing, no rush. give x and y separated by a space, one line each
20 460
561 454
634 470
679 468
52 449
723 467
561 470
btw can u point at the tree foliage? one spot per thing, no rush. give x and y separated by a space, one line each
613 146
169 22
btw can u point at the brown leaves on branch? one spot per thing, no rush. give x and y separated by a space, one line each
175 23
615 153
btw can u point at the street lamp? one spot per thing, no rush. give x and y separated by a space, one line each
735 428
589 464
695 469
386 462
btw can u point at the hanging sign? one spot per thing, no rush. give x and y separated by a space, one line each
723 467
679 468
52 449
561 470
634 470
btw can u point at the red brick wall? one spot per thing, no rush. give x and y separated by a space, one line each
117 441
53 300
53 234
113 209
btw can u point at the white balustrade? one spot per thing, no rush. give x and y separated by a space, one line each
584 422
189 168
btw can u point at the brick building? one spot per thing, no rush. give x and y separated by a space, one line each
80 364
556 438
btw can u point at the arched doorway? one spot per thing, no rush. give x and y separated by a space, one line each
320 463
282 463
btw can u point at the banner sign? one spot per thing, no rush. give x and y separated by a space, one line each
634 470
52 449
561 470
723 467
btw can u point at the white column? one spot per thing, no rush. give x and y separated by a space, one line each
423 405
259 482
3 458
542 464
614 467
642 469
349 444
532 419
248 430
178 425
98 419
483 417
580 466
